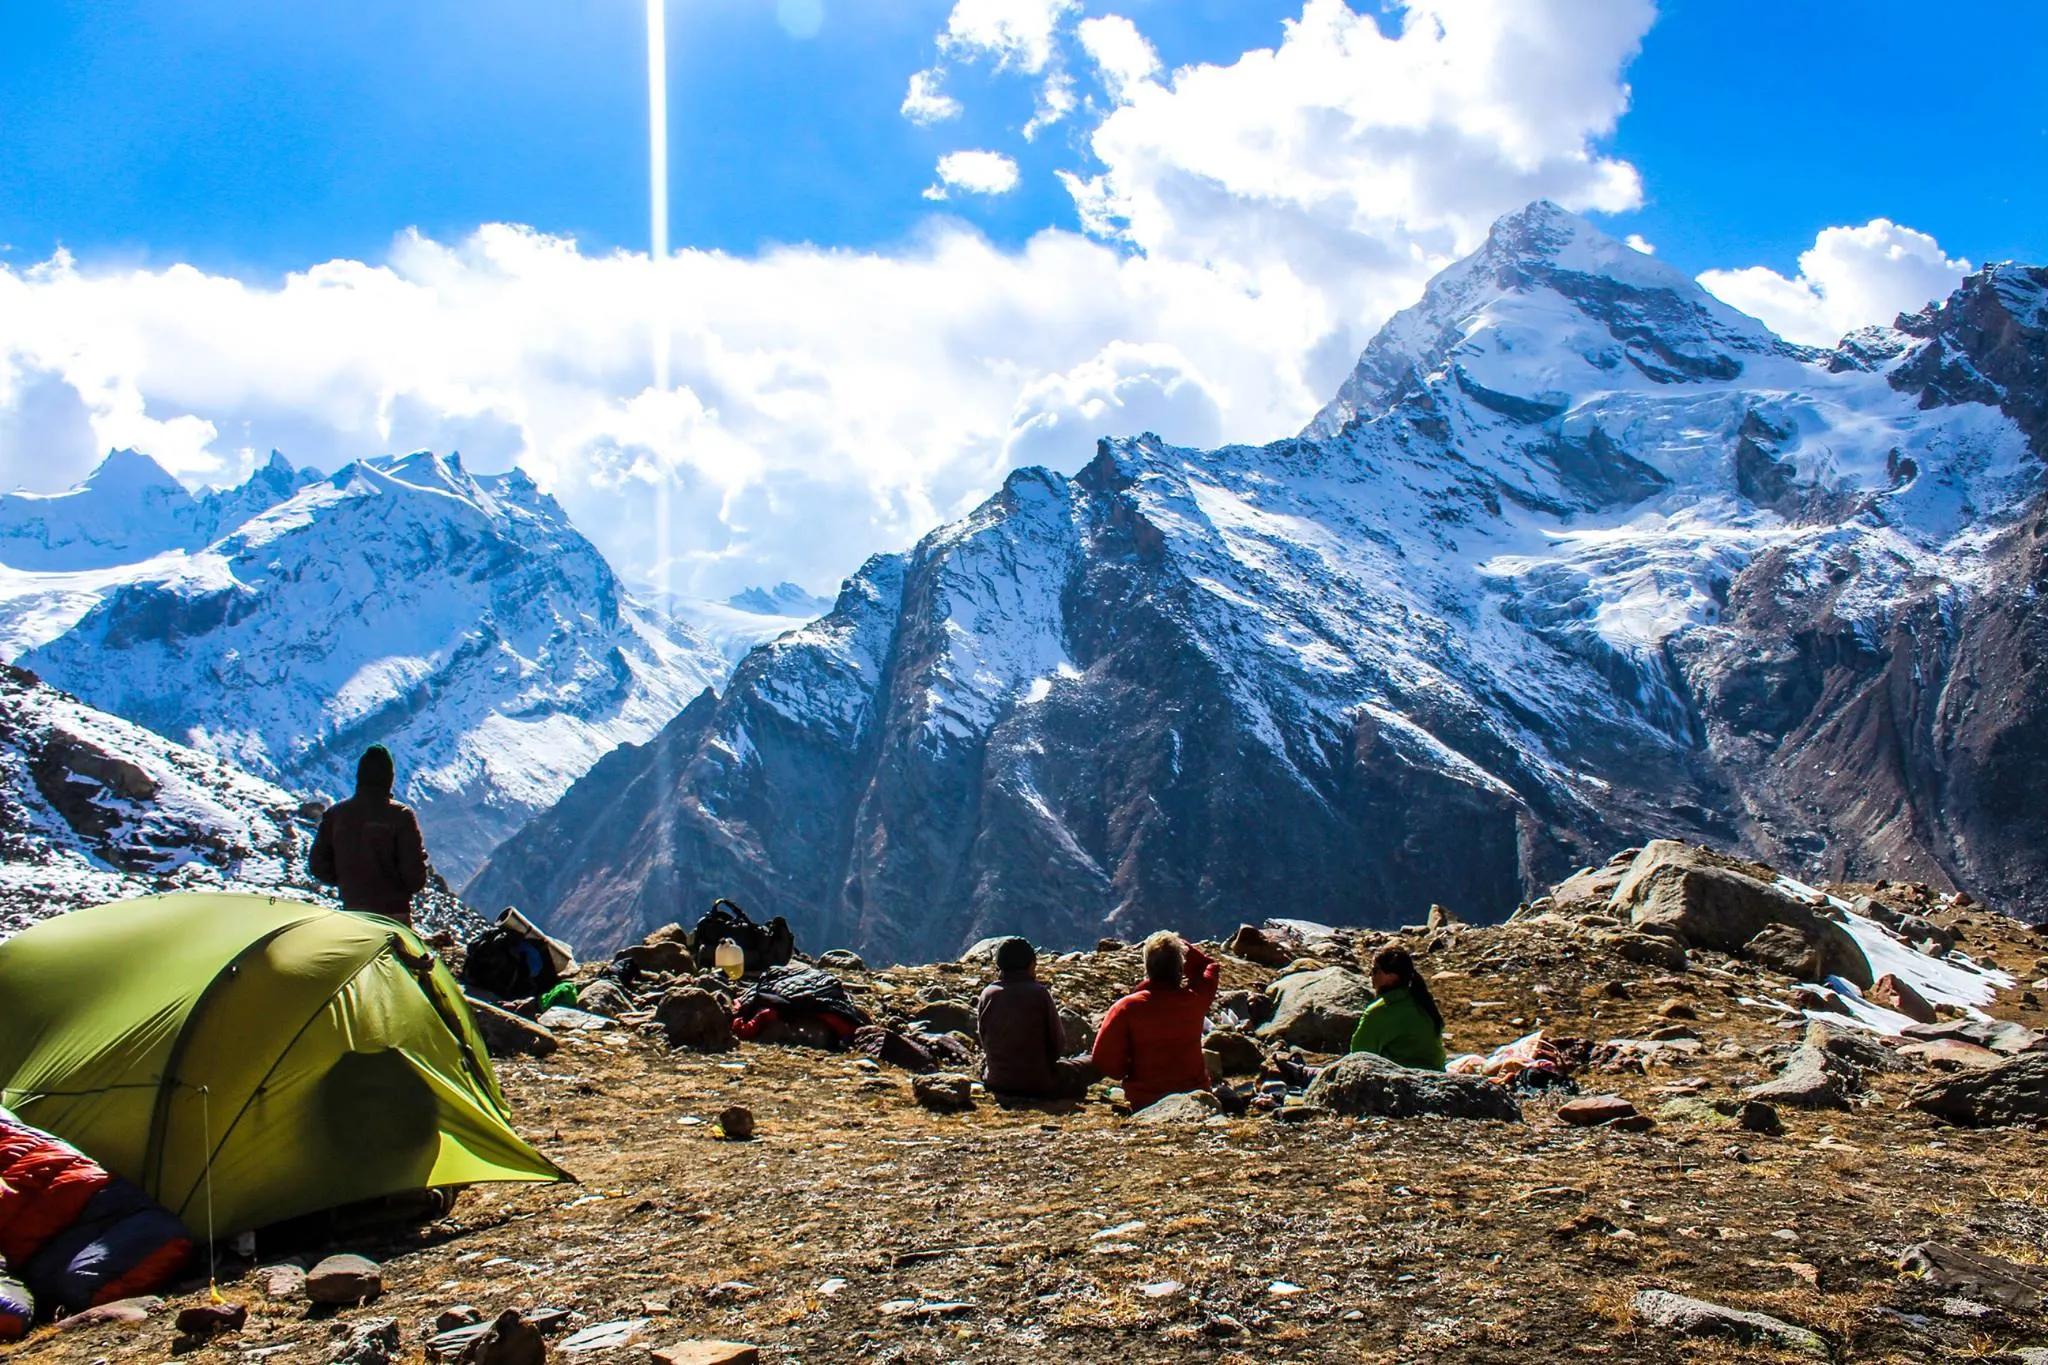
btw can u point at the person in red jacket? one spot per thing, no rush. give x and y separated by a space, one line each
1152 1038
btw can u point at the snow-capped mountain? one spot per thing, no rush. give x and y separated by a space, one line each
1578 555
459 619
748 618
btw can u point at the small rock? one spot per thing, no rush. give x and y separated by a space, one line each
505 1034
461 1315
1677 1009
1992 1278
562 1019
1239 1054
511 1340
604 1336
604 996
694 1018
1645 950
2014 1091
281 1283
1697 1318
736 1122
1197 1106
1900 997
203 1321
1951 1054
1256 945
842 960
127 1312
708 1353
342 1280
1671 1033
947 1016
944 1091
1590 1111
1755 1116
924 1308
374 1342
1806 1082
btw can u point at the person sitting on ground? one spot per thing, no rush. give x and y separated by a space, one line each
1403 1024
1151 1039
1023 1043
369 846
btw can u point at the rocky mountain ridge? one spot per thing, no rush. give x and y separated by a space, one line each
1578 556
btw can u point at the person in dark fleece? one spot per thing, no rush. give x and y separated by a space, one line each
369 846
1023 1043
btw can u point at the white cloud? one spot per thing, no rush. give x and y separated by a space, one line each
1851 277
978 172
1638 242
1253 222
1119 52
927 102
1015 34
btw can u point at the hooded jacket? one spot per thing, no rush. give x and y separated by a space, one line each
369 846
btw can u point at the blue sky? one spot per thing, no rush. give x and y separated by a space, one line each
273 225
259 139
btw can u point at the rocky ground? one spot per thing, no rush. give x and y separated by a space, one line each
858 1224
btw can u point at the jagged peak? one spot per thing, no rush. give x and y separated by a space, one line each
127 471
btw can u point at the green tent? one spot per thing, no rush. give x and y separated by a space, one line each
311 1057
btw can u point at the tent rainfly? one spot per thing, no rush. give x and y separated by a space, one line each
292 1057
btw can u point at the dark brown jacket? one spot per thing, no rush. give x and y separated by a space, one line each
1021 1036
370 847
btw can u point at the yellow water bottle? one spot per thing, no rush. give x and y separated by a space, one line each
730 959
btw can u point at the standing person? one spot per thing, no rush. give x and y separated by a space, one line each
1403 1025
1023 1043
1152 1038
369 846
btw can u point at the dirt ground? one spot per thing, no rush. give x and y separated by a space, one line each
857 1225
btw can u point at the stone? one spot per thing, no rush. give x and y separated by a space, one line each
1989 1278
983 953
2014 1091
1755 1116
1645 950
736 1122
1951 1054
947 1016
1858 1047
1688 1109
560 1019
1900 997
1697 897
510 1340
842 960
1365 1084
461 1315
1677 1009
204 1321
663 956
1239 1054
943 1091
1591 1111
604 996
1076 1030
1672 1033
1911 927
372 1342
280 1283
604 1336
887 1045
1317 1010
1254 1007
1196 1106
346 1279
1806 1081
1587 888
2002 1036
692 1017
505 1034
708 1353
1665 1311
1257 946
122 1312
1440 917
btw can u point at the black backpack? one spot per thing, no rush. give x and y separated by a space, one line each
505 963
765 945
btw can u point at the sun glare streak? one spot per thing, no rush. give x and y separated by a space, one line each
657 214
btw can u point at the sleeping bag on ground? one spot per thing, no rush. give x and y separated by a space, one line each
76 1235
17 1309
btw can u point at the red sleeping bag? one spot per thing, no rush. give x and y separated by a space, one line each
75 1234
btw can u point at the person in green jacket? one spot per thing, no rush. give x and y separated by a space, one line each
1403 1024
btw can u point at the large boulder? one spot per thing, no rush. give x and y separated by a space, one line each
1367 1085
1705 900
2002 1036
1317 1010
695 1018
2014 1092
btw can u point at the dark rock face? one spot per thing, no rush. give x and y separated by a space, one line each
2015 1091
1349 674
